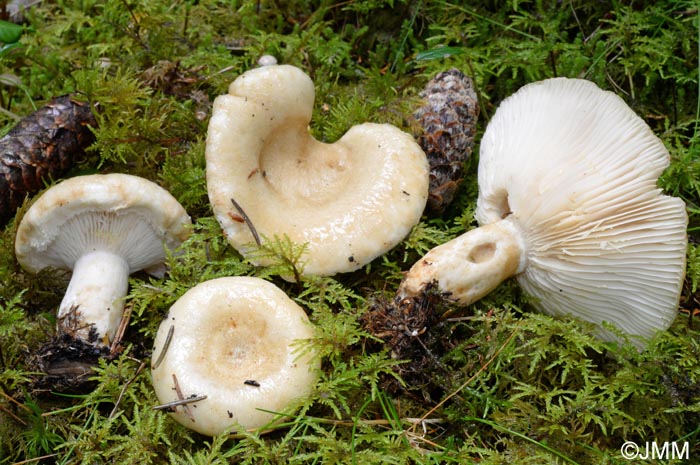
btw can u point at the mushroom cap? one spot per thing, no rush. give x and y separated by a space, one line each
349 201
235 340
576 169
115 212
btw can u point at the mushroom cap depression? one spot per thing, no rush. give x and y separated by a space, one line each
236 341
349 201
119 213
575 170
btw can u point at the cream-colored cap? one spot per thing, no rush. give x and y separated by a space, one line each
350 201
239 342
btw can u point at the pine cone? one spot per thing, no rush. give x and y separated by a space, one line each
448 119
44 145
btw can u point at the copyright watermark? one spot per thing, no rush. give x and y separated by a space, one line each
655 450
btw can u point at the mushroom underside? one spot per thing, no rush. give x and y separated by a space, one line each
573 171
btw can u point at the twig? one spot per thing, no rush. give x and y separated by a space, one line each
14 401
35 459
471 378
124 388
435 359
10 114
380 422
185 406
161 356
119 335
524 437
221 71
179 402
18 419
247 221
348 423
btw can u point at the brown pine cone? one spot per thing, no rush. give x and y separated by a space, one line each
448 118
43 146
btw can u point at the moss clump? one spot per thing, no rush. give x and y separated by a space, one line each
501 383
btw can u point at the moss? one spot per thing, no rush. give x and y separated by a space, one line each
505 385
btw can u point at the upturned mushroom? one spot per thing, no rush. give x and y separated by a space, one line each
349 201
103 228
568 204
233 347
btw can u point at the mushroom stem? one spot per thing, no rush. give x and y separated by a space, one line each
94 301
471 265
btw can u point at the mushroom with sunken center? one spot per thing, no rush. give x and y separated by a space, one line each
568 203
349 201
234 344
103 227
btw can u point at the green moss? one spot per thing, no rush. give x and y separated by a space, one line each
508 385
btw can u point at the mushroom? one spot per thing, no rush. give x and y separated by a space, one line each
267 60
234 345
568 203
103 227
349 201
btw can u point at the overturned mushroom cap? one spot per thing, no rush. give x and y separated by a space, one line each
350 201
568 203
238 342
103 227
61 223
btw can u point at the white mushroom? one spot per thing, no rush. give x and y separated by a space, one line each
103 227
267 60
349 201
568 203
234 343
